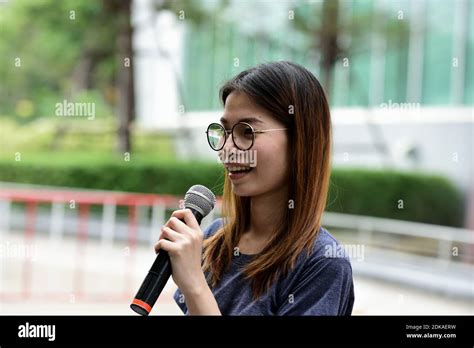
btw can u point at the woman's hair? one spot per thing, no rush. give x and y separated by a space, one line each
293 96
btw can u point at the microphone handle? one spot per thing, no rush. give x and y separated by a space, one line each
156 279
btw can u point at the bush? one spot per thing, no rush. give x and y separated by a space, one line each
390 194
140 174
396 195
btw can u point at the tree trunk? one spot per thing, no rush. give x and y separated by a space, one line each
328 42
82 75
125 85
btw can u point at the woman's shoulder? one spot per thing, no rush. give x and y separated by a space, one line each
213 227
326 243
328 262
326 255
321 281
327 251
327 246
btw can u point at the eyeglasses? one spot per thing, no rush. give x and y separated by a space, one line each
243 135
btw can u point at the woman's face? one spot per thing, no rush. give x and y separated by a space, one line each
269 151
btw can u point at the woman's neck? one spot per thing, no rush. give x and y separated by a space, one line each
264 212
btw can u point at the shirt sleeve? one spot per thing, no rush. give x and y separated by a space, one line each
325 287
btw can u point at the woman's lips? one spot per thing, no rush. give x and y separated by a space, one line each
233 175
237 176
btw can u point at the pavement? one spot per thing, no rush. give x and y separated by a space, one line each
45 276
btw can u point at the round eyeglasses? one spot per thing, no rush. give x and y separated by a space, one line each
243 135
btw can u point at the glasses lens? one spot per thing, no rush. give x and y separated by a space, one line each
216 136
243 136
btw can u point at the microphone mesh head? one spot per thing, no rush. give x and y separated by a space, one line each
200 198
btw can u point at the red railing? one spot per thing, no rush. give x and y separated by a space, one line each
81 200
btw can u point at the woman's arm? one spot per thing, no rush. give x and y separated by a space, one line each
183 242
200 300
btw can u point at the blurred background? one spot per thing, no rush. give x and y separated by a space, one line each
103 108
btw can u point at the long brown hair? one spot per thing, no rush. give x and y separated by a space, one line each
294 97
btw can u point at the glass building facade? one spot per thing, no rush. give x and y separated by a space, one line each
393 51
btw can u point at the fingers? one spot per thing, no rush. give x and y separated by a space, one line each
166 245
176 233
188 217
177 225
169 234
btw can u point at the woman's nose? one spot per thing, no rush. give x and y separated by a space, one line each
229 144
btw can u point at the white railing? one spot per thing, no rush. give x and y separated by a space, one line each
432 257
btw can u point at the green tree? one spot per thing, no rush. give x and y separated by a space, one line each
62 48
327 32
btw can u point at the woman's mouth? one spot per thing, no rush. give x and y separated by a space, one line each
237 172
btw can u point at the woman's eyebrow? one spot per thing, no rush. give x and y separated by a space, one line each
245 119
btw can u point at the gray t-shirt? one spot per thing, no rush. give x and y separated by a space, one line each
320 284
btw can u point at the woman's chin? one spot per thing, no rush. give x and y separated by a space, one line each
241 191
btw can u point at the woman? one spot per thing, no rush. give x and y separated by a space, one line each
269 253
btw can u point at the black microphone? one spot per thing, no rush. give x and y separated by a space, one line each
200 200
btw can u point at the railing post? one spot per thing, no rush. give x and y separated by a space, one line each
80 253
31 210
108 223
57 221
5 210
444 252
365 230
131 245
157 220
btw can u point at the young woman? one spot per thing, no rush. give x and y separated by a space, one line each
268 255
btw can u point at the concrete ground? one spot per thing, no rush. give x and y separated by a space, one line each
67 277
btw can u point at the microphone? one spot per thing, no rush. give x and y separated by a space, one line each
200 200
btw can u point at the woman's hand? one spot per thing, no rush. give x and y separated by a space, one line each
183 242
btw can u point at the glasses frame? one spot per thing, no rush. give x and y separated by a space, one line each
228 132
